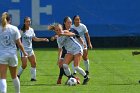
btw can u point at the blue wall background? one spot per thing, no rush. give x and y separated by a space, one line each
104 18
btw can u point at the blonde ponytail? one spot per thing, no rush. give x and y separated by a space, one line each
52 27
4 20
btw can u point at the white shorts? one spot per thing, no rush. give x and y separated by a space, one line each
30 53
75 52
11 60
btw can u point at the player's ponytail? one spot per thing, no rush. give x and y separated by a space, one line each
51 27
5 19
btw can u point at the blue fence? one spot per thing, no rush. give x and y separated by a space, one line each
104 18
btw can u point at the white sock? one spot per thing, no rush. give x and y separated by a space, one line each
74 71
86 62
80 70
67 69
3 86
20 71
33 73
16 83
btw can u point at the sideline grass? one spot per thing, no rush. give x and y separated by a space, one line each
111 71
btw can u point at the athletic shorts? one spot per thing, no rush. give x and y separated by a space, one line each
30 53
11 60
75 52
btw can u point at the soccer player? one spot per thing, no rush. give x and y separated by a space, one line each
83 32
74 50
67 23
9 37
28 35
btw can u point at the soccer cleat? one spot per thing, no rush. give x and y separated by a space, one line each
74 73
18 76
139 81
78 80
87 72
135 53
32 79
86 80
59 81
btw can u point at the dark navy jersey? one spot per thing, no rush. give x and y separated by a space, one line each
75 31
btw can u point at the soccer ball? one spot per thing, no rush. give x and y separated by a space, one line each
72 82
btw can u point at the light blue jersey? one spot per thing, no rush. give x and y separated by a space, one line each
27 39
70 44
8 39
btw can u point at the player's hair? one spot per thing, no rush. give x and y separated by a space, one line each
52 26
75 17
5 19
24 27
64 21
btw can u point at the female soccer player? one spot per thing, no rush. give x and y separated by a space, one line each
74 50
67 23
83 32
9 37
28 35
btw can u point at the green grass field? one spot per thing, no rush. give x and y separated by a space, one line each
111 71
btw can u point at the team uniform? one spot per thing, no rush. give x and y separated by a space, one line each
70 44
8 53
8 50
77 36
82 29
26 38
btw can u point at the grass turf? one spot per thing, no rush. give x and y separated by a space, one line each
111 71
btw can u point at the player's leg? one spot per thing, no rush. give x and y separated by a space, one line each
61 71
3 84
77 59
32 60
16 81
13 71
74 71
68 58
23 64
86 61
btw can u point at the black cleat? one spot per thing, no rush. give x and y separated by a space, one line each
87 72
86 80
18 76
32 79
74 73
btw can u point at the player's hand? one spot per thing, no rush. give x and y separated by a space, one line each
46 39
25 54
90 46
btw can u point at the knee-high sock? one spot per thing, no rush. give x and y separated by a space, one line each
33 73
67 70
73 68
86 62
3 86
16 83
20 71
80 70
61 72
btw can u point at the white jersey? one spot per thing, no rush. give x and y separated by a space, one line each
82 29
27 39
7 40
70 44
